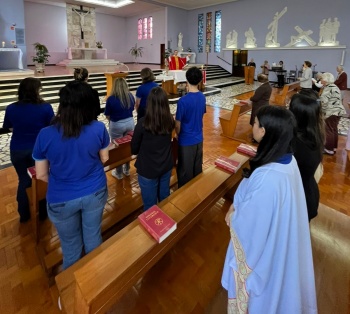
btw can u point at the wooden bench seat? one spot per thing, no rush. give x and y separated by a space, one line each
229 120
99 279
288 91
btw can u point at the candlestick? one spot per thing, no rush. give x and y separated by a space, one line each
3 44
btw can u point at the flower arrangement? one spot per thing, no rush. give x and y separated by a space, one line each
41 53
99 44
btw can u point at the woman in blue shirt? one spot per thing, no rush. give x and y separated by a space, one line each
119 107
69 155
25 118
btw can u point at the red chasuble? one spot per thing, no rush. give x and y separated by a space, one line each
176 63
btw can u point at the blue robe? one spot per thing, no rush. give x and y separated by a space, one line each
271 259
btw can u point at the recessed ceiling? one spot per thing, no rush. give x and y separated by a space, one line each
140 6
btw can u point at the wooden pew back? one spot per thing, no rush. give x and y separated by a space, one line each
288 91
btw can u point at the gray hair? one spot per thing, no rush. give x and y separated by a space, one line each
340 67
328 78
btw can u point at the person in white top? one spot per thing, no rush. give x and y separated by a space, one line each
306 78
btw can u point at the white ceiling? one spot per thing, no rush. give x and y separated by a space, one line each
140 6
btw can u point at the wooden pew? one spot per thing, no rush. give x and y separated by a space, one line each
287 92
229 120
99 279
51 255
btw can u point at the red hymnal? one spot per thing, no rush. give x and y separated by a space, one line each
157 223
245 102
122 140
31 171
227 164
246 149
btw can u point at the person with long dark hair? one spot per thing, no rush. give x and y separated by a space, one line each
148 82
69 155
269 266
25 118
152 145
82 75
308 146
119 107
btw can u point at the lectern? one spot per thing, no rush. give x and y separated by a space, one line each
110 77
249 72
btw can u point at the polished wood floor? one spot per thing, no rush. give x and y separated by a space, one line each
187 279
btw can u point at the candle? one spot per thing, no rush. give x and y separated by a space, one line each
3 44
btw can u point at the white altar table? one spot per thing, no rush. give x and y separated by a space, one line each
87 52
178 75
11 59
192 56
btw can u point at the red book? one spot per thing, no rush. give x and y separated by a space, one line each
246 149
227 164
157 223
246 102
122 140
31 171
131 133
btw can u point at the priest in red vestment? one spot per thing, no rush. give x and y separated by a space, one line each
176 62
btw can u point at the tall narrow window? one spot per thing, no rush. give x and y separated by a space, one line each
145 28
217 43
200 32
150 27
139 29
208 32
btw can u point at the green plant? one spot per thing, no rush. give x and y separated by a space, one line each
136 51
41 53
99 44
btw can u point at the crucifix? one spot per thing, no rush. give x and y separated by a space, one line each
82 13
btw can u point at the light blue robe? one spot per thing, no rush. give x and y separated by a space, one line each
273 249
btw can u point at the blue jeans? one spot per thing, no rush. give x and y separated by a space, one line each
78 223
119 129
21 160
154 190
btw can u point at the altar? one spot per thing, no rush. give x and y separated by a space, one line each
87 52
11 59
192 56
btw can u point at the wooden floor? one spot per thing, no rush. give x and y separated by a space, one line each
187 279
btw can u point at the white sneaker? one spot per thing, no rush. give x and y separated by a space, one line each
116 175
59 303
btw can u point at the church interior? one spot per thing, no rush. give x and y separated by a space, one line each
182 274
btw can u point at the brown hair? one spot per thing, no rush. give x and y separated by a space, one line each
147 75
29 91
262 78
81 74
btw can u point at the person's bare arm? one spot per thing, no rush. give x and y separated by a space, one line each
104 154
42 170
177 127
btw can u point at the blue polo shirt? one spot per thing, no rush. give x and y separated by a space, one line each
190 111
143 91
116 111
75 166
26 120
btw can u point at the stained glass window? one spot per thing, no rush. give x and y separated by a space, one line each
217 43
139 29
200 32
208 32
150 27
145 28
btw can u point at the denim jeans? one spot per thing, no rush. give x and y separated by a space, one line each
78 223
21 160
119 129
154 190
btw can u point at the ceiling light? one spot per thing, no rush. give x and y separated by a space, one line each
109 3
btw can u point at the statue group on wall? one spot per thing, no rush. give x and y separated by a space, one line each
328 33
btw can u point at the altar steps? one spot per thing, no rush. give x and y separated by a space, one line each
51 85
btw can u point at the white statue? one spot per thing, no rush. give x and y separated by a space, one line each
271 37
328 32
302 35
82 17
250 39
179 43
231 39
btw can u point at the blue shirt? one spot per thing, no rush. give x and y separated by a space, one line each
143 91
190 111
26 120
116 111
75 166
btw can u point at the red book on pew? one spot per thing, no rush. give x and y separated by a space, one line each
246 102
157 223
228 164
122 140
246 149
31 171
